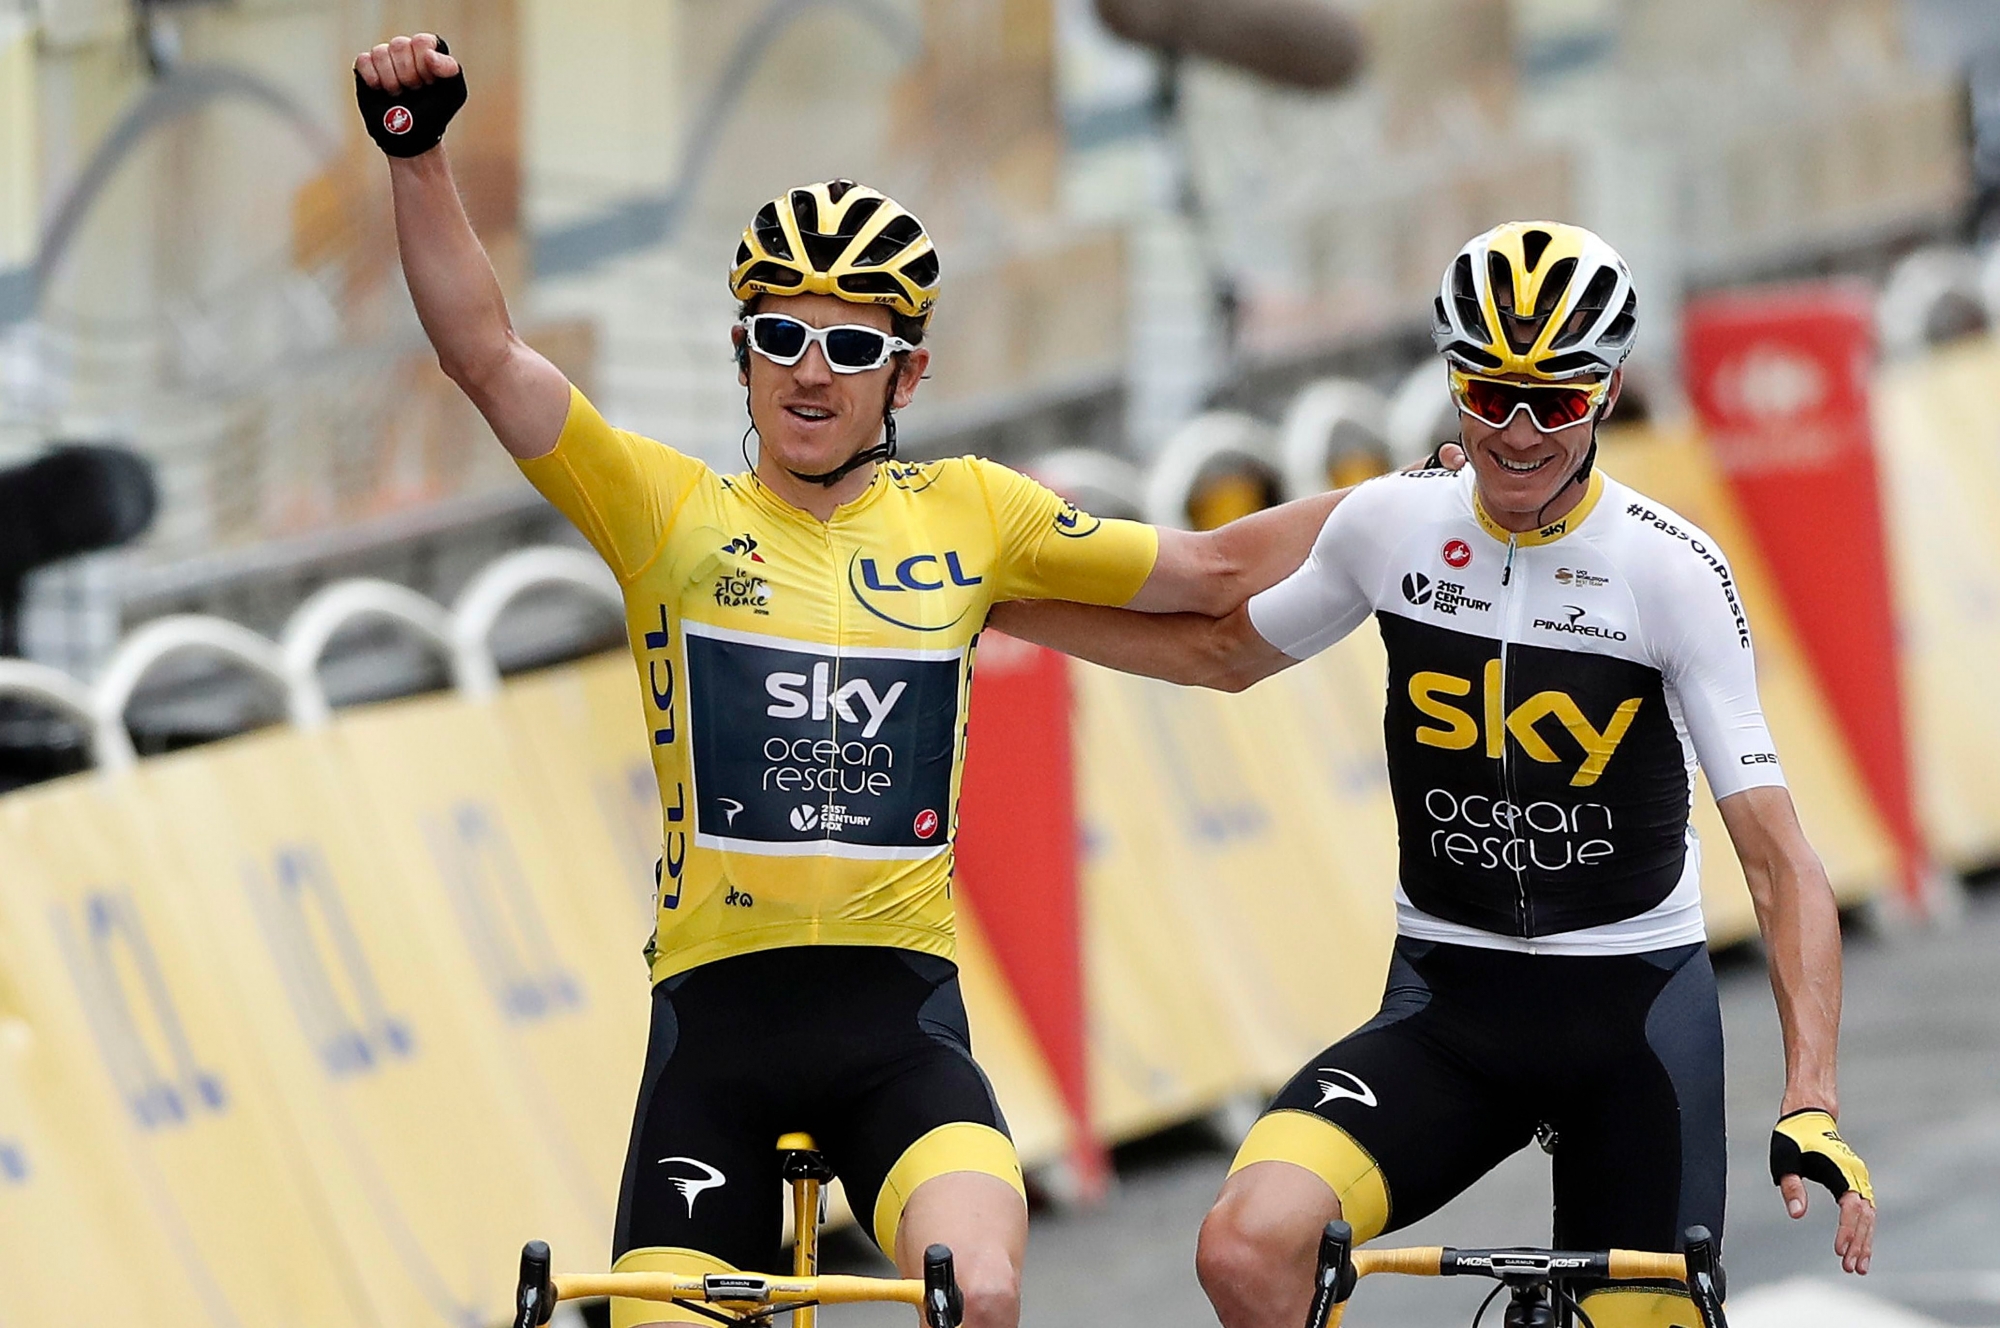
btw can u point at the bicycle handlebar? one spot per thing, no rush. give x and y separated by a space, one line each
936 1294
1341 1266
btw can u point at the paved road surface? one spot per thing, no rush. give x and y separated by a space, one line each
1921 1089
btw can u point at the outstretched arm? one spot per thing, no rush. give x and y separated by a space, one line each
1226 654
1214 571
523 397
1801 930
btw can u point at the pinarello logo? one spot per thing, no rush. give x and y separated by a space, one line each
1457 553
927 823
398 120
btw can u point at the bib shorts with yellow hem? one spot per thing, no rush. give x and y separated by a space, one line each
864 1047
1615 1059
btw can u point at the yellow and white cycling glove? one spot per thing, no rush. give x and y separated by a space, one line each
1807 1144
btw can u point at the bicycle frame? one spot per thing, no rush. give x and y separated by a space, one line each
751 1299
1534 1277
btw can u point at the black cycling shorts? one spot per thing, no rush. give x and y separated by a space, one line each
1618 1056
863 1047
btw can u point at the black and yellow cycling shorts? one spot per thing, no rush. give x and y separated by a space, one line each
864 1047
1616 1060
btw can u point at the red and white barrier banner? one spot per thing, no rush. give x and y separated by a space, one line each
1779 378
1016 861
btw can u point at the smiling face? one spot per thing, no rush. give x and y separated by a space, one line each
1523 473
809 418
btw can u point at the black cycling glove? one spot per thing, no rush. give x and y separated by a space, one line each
411 122
1808 1144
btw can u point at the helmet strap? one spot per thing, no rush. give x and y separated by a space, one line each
1582 475
882 451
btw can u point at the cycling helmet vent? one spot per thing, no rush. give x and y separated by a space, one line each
1521 292
1554 286
1596 298
871 283
1474 356
771 235
852 243
923 269
894 239
1577 361
1620 329
775 273
823 251
1533 245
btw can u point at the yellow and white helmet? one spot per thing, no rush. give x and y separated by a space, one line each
1540 299
841 239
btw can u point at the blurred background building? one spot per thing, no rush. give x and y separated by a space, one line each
196 261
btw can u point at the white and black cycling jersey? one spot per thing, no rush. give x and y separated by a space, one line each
1549 696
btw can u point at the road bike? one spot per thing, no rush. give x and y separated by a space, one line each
749 1300
1538 1282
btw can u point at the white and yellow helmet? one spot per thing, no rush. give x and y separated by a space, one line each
1539 299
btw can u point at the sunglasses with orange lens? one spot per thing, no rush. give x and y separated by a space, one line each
1495 401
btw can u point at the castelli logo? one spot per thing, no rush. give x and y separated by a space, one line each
399 120
1457 553
927 823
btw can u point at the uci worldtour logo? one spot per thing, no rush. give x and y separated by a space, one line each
896 594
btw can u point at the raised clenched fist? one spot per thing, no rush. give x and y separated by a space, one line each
408 89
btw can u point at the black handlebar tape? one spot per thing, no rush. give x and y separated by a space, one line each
413 121
944 1306
534 1296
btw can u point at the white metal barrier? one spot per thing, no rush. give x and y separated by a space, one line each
499 584
315 622
157 641
290 665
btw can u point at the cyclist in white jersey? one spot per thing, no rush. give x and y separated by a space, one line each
1563 653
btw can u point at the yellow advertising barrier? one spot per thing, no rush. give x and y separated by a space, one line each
579 729
549 939
1938 436
72 1232
353 981
118 988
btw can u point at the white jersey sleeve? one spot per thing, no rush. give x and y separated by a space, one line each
1326 598
1707 658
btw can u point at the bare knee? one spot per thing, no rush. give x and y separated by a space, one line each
1256 1248
991 1285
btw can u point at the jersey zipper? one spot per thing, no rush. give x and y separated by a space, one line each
1523 906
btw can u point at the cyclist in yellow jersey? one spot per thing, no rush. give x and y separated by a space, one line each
804 636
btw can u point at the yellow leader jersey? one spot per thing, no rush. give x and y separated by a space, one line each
805 682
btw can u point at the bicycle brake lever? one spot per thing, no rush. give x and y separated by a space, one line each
1334 1277
944 1304
1706 1282
534 1296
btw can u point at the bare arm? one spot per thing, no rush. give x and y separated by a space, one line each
458 299
1214 571
1225 653
1801 929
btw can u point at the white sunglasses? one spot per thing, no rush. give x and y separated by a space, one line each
849 348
